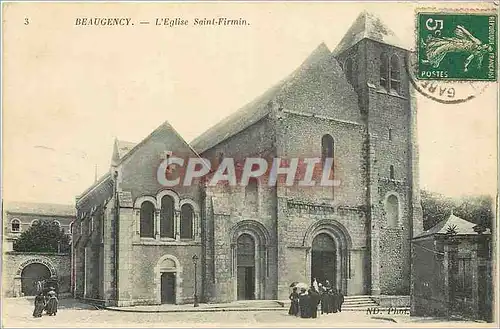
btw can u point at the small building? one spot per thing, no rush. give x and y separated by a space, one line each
23 269
452 270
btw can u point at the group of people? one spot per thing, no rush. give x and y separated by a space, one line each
306 303
47 303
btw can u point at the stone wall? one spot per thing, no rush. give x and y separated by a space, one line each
14 262
390 122
228 209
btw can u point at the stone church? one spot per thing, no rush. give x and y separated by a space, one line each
134 239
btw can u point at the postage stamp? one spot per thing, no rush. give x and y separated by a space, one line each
454 46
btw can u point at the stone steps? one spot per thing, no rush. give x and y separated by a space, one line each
358 302
351 303
248 304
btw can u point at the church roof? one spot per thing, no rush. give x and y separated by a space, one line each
255 110
459 225
367 26
124 147
44 209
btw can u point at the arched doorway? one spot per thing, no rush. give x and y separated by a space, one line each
32 273
168 280
328 247
324 259
245 266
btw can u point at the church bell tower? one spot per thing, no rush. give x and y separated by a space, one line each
373 60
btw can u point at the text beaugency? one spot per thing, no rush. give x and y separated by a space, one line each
165 21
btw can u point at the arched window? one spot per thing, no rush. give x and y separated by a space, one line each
252 194
348 69
15 225
147 215
35 222
327 147
384 71
391 172
395 74
58 223
167 218
392 211
328 152
187 217
390 134
91 225
71 227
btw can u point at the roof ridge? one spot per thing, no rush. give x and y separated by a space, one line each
257 104
368 25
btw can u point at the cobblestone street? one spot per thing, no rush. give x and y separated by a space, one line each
18 313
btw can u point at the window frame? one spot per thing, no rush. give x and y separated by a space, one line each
153 219
18 221
191 221
384 63
165 233
397 222
349 69
248 192
392 80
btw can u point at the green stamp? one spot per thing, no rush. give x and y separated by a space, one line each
457 46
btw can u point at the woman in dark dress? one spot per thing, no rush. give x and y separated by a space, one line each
52 303
314 300
39 305
294 306
335 301
340 300
325 303
304 304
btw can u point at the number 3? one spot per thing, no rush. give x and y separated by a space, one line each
26 21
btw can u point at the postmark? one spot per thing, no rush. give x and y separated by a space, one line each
443 91
456 46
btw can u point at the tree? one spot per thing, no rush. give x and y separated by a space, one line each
43 236
475 209
435 208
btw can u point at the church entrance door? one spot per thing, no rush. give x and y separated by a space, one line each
246 267
324 259
168 288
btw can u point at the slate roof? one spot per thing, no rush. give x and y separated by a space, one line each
47 209
255 110
461 226
368 26
124 147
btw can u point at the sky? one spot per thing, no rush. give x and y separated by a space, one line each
69 91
